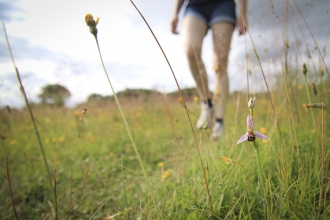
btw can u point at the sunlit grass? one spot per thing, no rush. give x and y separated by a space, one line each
95 163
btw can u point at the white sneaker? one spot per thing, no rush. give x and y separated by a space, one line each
218 131
205 117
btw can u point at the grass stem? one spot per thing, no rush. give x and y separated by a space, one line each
34 125
128 130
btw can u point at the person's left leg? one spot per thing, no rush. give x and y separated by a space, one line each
222 34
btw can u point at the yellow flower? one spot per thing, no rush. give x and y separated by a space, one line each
166 174
48 120
47 140
180 99
263 130
61 139
91 23
226 160
13 142
264 102
313 131
138 115
196 99
300 87
216 93
216 68
160 164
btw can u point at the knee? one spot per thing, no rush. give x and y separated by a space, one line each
192 52
220 66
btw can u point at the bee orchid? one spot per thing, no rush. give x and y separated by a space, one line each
251 135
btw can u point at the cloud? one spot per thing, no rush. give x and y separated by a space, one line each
10 10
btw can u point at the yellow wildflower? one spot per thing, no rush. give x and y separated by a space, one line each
160 164
48 120
226 160
196 99
13 142
166 174
300 87
91 23
263 130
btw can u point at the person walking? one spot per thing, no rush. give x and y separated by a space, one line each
220 17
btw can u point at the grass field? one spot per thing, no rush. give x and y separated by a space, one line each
96 172
94 162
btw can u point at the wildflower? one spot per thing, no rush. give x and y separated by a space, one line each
13 142
180 99
300 87
251 102
160 164
48 120
196 99
263 130
166 174
304 69
227 160
251 135
91 23
216 68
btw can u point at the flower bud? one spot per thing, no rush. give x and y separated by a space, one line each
251 102
91 23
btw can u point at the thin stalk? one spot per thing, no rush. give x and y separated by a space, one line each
310 101
128 129
10 188
322 164
256 149
34 124
184 103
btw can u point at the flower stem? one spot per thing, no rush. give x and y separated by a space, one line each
128 129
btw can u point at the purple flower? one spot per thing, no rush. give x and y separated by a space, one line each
251 135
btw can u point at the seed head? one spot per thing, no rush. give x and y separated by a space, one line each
304 69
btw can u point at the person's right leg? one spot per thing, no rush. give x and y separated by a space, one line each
194 30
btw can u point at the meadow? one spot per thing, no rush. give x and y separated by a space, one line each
96 172
142 158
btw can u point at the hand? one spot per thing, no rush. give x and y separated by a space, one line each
174 24
240 25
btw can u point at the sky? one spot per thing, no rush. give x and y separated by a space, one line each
52 44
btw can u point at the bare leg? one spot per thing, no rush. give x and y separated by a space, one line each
222 33
194 31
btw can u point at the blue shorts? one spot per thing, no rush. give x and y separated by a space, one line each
222 11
